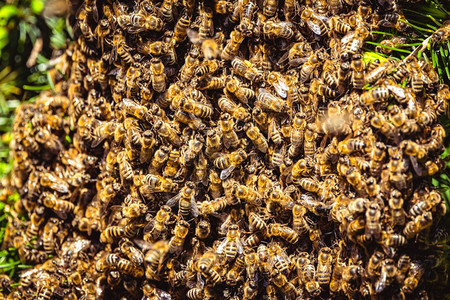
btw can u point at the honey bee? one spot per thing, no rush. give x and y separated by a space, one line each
206 28
324 266
55 183
60 207
154 258
353 41
349 146
245 69
234 274
168 132
210 50
233 87
314 21
172 166
310 66
229 136
373 226
355 227
418 224
247 194
338 25
377 71
152 293
412 280
431 200
48 140
205 265
158 76
186 200
150 47
135 255
308 275
386 128
125 169
209 82
375 261
391 240
181 27
284 232
235 110
166 10
256 137
247 12
180 233
48 235
189 67
267 101
208 67
189 119
196 108
357 77
232 245
299 221
388 271
232 46
203 229
375 95
396 205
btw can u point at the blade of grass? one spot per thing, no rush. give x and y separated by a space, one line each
50 82
417 27
382 33
409 45
435 21
441 7
36 87
445 63
387 47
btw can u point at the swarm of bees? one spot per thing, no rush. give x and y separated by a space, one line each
231 150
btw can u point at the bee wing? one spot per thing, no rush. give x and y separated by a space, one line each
98 140
222 246
381 282
283 58
136 256
162 295
314 27
194 208
281 88
417 168
224 174
240 247
149 226
397 91
174 200
145 246
348 37
193 36
60 186
298 61
62 214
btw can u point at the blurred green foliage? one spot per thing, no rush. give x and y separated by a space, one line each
28 40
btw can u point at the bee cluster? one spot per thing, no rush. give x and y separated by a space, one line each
231 149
